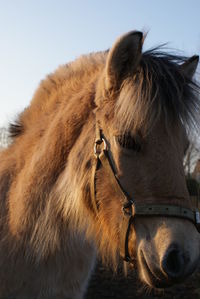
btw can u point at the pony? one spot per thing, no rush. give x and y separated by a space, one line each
96 167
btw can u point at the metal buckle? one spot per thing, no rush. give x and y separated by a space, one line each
197 217
127 208
97 143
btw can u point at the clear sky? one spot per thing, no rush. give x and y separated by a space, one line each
38 35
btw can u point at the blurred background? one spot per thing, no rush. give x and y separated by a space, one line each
37 36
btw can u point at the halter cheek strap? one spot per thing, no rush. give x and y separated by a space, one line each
129 207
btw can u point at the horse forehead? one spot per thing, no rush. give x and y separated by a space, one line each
167 133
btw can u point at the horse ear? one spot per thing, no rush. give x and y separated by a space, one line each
123 58
188 68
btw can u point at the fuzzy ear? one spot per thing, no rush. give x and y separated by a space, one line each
123 58
188 68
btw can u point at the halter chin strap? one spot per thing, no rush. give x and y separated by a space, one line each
129 207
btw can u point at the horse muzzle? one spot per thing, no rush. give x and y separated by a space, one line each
163 262
172 267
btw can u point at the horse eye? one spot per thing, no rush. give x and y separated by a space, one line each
127 141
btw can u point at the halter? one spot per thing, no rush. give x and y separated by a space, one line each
129 207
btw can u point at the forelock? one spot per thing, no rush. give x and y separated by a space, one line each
158 90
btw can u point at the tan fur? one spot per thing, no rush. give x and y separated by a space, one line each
49 235
33 214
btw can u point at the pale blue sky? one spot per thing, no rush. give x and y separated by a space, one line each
37 36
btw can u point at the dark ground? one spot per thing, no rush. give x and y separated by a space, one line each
105 284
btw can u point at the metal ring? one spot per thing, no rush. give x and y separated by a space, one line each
98 142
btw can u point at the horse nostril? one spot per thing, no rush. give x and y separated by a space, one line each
173 263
